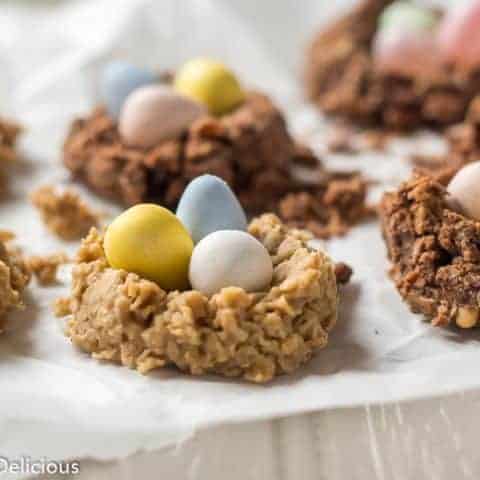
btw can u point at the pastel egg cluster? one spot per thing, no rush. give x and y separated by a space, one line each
205 245
149 112
412 39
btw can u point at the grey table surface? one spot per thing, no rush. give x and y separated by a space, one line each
435 439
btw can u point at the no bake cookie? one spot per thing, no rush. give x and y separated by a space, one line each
342 78
9 133
434 252
249 147
464 140
14 277
121 317
463 147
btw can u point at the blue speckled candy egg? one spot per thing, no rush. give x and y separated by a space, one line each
118 80
207 205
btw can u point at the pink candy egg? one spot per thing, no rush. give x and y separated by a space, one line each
459 35
404 52
156 113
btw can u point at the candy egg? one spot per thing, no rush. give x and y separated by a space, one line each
407 15
149 240
459 35
211 83
230 258
464 189
404 52
118 80
207 205
404 43
155 113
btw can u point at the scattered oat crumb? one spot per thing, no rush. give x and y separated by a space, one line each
45 267
65 214
61 307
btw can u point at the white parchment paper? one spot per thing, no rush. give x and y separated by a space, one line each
57 402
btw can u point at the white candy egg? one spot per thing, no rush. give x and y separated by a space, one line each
465 190
230 258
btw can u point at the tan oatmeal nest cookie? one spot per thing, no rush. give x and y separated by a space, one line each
64 213
14 277
341 78
9 133
434 252
120 317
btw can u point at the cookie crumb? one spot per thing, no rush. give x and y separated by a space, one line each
343 272
329 209
65 214
61 307
45 267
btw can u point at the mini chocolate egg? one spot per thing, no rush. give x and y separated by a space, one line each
230 258
149 240
207 205
459 35
210 83
156 113
464 189
118 80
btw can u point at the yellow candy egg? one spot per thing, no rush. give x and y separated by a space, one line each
150 240
210 83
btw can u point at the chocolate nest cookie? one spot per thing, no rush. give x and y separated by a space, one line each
249 148
341 79
121 317
464 139
9 132
434 252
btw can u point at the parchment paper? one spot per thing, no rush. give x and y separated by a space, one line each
56 401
